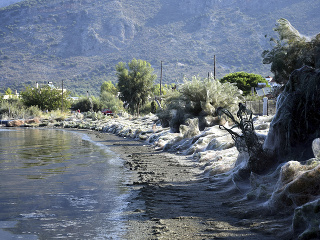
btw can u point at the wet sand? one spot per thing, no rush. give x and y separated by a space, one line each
172 200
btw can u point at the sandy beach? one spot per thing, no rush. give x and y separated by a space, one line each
172 200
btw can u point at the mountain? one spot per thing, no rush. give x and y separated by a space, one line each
5 3
81 41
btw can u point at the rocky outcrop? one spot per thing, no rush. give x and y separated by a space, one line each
15 123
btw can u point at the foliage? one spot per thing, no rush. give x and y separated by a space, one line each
87 104
291 51
244 81
254 97
153 107
108 87
79 62
135 83
197 98
110 101
210 91
94 115
55 115
46 98
164 89
8 91
14 108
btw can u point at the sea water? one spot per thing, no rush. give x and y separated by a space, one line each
57 184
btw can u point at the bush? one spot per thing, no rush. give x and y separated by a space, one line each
197 98
110 101
46 98
88 104
14 108
149 107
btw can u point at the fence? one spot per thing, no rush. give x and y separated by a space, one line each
257 107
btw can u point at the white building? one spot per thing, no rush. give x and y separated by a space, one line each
272 82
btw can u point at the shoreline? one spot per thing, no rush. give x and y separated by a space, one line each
183 188
171 199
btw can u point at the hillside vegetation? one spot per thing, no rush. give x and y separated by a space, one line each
5 3
81 41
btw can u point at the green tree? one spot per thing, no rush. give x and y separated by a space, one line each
164 89
87 104
46 98
244 81
135 83
110 101
291 51
108 87
8 91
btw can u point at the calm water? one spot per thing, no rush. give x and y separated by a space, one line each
56 184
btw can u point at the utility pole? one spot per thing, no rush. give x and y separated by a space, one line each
160 80
62 98
214 67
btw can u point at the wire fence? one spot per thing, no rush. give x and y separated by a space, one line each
257 107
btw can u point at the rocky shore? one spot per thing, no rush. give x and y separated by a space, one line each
184 185
172 200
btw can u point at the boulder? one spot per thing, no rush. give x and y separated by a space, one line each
15 123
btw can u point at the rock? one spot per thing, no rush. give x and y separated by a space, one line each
190 129
298 184
306 221
209 121
15 123
31 121
316 147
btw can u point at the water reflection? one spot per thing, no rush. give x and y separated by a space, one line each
58 184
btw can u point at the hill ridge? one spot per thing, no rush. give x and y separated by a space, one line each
81 41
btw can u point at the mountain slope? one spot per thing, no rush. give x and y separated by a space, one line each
81 41
5 3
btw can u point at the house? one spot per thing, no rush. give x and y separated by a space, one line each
50 84
272 82
16 95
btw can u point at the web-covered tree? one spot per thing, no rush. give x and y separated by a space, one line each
197 98
291 51
135 83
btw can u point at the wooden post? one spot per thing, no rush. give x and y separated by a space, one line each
160 80
62 98
214 67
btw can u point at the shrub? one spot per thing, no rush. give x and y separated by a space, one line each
110 101
88 104
14 108
46 98
197 98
